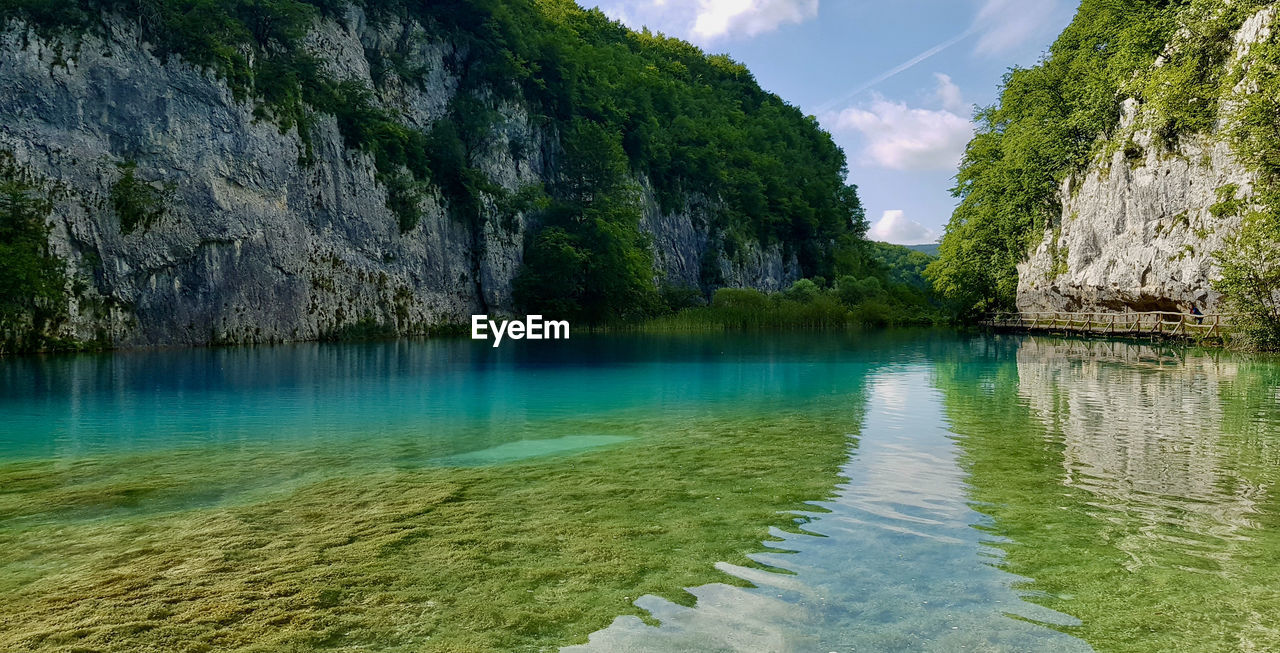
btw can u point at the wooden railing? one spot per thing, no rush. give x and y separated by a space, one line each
1153 323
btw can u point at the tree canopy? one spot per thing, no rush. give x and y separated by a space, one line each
1054 118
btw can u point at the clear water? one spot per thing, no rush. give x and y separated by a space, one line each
967 493
899 565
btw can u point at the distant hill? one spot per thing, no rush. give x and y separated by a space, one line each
902 264
931 249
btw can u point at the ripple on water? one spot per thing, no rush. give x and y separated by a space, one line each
1146 443
896 563
1002 494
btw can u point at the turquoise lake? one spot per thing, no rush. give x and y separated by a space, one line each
883 491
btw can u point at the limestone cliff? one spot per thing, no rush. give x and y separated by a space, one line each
1140 225
265 235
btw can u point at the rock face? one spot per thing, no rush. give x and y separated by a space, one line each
1137 236
1140 226
259 241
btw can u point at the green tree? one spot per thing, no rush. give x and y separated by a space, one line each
596 265
803 291
1250 281
1057 116
552 281
32 278
594 169
136 203
853 291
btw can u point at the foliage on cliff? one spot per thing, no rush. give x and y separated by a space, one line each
1250 270
32 278
1250 263
682 120
591 262
1054 118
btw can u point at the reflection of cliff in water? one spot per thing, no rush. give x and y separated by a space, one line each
1142 431
1133 485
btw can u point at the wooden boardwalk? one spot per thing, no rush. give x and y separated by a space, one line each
1154 324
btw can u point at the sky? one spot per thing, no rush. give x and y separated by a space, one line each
896 83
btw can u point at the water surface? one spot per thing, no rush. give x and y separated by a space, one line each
847 492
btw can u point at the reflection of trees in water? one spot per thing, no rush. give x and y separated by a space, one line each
1134 485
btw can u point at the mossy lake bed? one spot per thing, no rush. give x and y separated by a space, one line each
901 490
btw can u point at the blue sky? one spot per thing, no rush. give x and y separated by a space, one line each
894 82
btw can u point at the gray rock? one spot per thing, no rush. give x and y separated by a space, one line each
1137 236
1138 233
257 245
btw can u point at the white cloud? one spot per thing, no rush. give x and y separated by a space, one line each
1005 25
706 21
719 18
949 94
896 227
900 137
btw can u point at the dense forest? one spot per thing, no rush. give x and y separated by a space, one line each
892 291
1056 117
626 108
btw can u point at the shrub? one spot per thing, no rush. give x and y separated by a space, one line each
802 291
676 298
32 278
1250 280
739 299
853 291
876 313
137 204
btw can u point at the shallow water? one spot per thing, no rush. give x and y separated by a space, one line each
899 566
966 493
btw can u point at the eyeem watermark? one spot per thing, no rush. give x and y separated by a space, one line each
532 328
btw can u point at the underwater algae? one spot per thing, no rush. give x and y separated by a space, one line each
127 554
